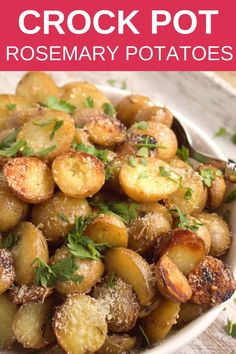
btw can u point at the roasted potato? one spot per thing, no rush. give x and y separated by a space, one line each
117 344
90 270
133 269
154 113
78 174
171 283
26 293
102 129
48 134
83 95
129 106
188 312
119 301
81 136
211 282
155 208
32 325
7 314
159 323
7 271
30 244
56 216
80 325
219 231
148 183
108 228
29 178
184 248
37 86
201 231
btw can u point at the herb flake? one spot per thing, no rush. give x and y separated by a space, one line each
60 105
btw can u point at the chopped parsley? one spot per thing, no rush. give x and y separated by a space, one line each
231 197
60 105
230 328
108 109
45 123
114 83
132 161
62 216
111 82
9 140
89 102
188 194
233 139
13 149
102 155
222 131
185 223
164 172
183 153
11 106
46 151
141 125
143 152
111 281
57 126
10 240
207 176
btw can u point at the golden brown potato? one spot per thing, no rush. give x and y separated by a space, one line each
80 325
214 180
133 269
82 137
156 208
7 314
102 129
26 293
12 209
56 217
171 283
129 106
108 228
32 325
48 134
91 270
212 282
146 310
7 271
30 245
188 312
119 302
219 231
117 344
37 86
164 137
144 231
78 174
83 95
185 249
159 323
29 178
157 114
148 183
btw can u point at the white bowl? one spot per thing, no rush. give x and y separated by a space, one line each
185 335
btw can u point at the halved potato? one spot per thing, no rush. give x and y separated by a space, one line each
147 183
117 344
159 323
119 302
102 129
37 86
78 174
171 283
185 249
56 216
219 231
91 270
48 134
32 325
31 244
26 293
80 325
7 271
129 106
133 269
156 208
188 312
157 114
29 178
108 228
7 314
212 282
83 94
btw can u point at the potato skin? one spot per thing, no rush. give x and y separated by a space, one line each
91 270
117 344
56 216
78 174
7 314
212 282
154 113
80 325
188 312
29 178
26 293
31 244
120 303
7 271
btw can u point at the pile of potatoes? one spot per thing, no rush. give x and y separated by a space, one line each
161 268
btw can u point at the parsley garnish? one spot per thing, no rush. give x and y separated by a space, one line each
46 151
108 109
111 281
10 240
132 161
231 328
62 270
142 152
62 216
45 123
222 131
89 102
188 194
92 150
11 106
185 223
57 126
231 197
9 140
207 176
164 172
111 82
141 125
60 105
233 139
183 153
13 149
